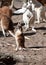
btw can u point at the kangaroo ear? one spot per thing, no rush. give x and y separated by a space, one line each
12 4
19 24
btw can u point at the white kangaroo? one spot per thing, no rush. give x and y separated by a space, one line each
26 18
37 8
38 14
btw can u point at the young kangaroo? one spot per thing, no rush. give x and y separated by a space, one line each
19 37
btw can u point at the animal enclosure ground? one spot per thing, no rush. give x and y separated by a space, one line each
35 53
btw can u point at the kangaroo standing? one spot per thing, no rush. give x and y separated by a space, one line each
19 37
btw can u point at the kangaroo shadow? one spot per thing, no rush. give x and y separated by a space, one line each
37 47
1 34
29 33
33 33
40 28
17 14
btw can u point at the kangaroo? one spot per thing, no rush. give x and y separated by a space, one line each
19 38
6 24
5 18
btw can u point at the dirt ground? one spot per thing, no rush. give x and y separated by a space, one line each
36 46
